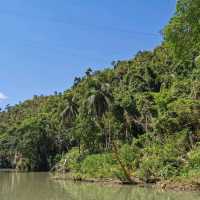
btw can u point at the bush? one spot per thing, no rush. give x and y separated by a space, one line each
194 159
129 156
23 165
162 160
192 164
98 166
149 167
72 160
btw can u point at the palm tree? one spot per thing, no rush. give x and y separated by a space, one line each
99 99
70 111
99 102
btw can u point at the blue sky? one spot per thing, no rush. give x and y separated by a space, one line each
46 43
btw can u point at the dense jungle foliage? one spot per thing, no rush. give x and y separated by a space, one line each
140 117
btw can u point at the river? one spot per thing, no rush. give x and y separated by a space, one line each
40 186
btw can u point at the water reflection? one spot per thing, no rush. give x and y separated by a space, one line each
39 186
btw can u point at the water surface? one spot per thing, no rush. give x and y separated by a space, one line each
40 186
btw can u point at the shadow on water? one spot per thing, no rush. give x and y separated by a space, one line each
39 186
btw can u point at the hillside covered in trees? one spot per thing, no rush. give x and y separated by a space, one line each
138 118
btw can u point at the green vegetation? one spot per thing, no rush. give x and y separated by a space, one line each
139 118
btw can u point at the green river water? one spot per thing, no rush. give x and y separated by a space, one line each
40 186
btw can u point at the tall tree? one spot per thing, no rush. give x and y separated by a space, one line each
70 111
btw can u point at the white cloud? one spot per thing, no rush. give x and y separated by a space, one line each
2 96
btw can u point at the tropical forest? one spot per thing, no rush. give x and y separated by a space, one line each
136 121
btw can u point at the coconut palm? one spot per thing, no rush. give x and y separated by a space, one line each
99 99
70 111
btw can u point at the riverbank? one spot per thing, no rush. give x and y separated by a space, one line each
177 184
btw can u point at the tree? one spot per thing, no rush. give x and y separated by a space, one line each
77 80
99 99
35 143
70 111
88 72
182 34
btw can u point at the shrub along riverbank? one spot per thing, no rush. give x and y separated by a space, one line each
156 163
139 118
